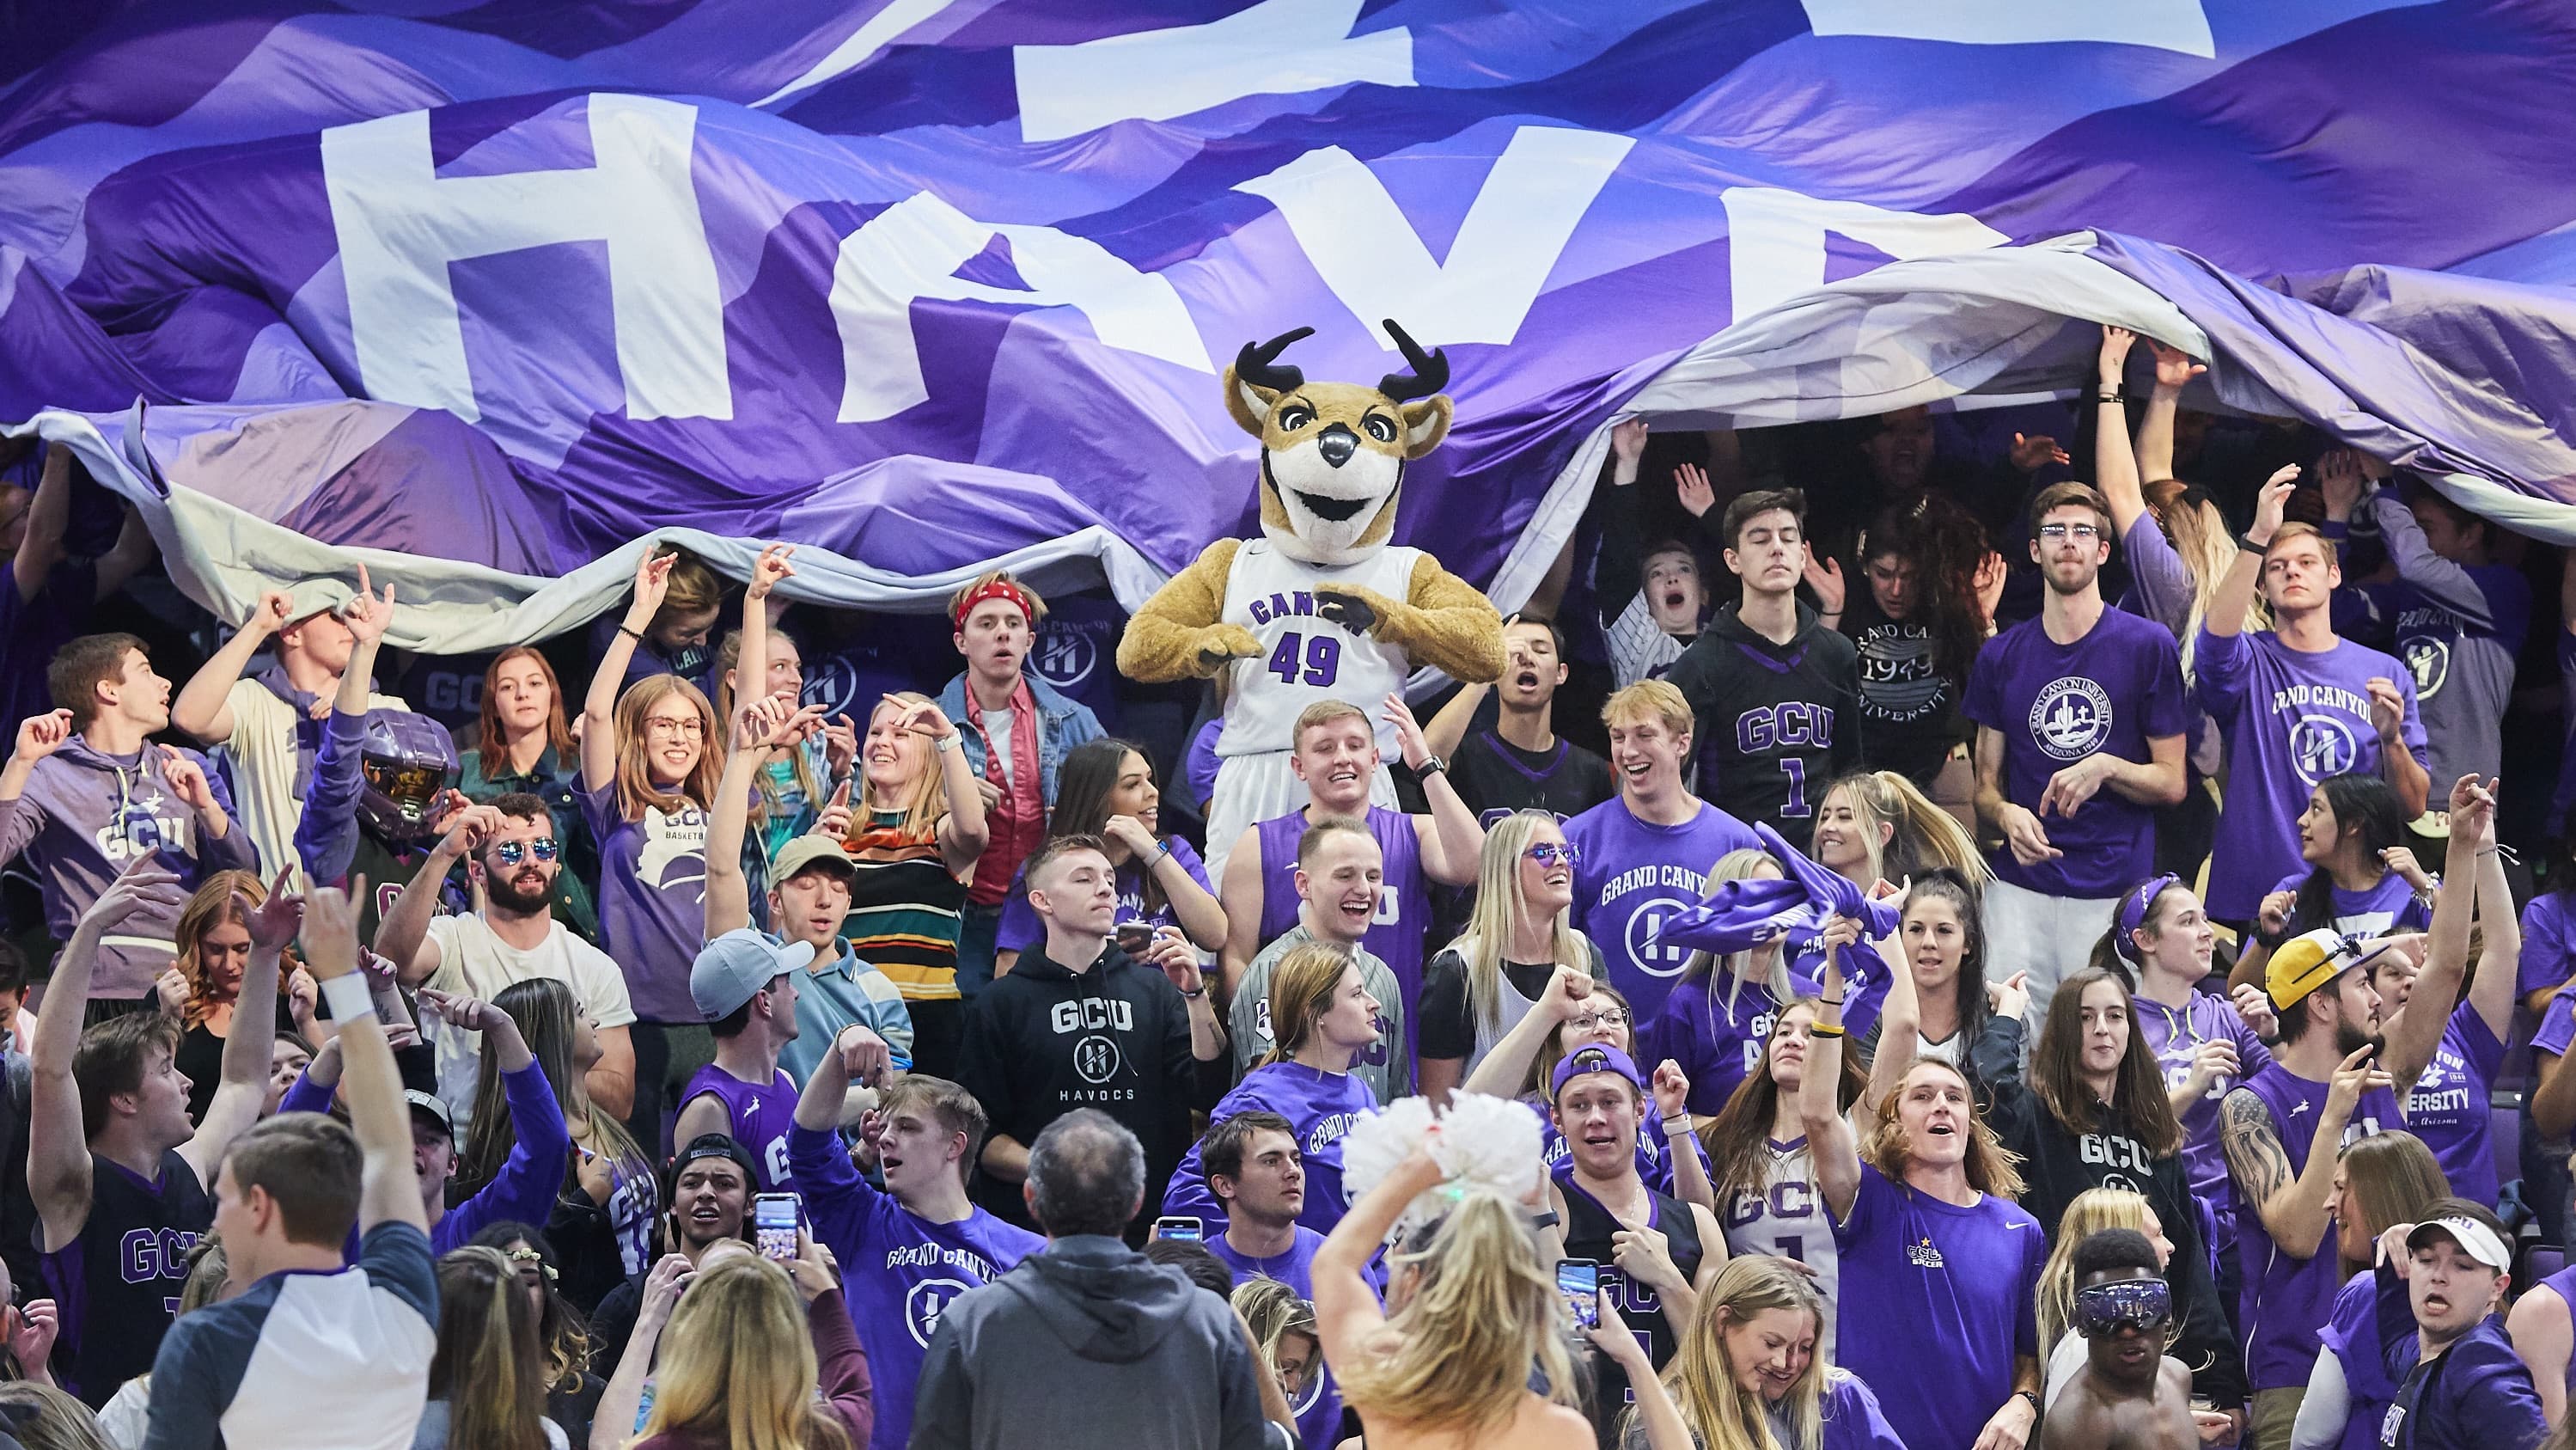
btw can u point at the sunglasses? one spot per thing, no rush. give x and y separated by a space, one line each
1552 854
514 852
2102 1309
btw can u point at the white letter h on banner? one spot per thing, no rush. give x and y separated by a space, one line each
400 224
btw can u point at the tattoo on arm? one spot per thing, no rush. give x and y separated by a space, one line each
2254 1155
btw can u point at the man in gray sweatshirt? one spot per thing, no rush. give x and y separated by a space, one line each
1089 1339
86 791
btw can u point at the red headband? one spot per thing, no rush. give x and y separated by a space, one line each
994 589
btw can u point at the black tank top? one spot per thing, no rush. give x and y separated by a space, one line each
117 1285
1588 1227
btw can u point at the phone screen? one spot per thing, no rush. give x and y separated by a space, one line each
773 1221
1180 1230
1580 1280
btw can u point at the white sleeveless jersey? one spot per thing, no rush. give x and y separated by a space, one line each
1786 1217
1305 657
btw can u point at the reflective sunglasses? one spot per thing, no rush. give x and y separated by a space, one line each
1552 854
514 852
2101 1309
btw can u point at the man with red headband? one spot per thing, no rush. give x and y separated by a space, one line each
1016 728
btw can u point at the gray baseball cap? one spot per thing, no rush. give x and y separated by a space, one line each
733 968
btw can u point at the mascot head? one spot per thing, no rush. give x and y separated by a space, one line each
1333 454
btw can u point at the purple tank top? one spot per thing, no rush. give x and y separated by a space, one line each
2563 1284
1403 903
2286 1300
758 1117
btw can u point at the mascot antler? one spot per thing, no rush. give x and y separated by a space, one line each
1424 375
1259 365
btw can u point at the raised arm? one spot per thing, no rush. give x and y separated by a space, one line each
402 933
2234 598
1505 1070
1617 568
49 515
370 1085
1452 843
1447 728
2391 702
762 726
202 707
1193 905
599 707
58 1161
1900 1023
965 833
2115 468
326 829
2174 368
130 555
1830 1144
243 1090
2294 1208
1347 1311
2499 961
751 662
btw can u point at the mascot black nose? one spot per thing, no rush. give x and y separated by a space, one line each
1337 443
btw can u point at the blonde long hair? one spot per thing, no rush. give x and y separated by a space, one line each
1925 835
1739 865
1702 1381
1458 1354
1991 1167
209 906
1301 990
738 1363
729 697
924 803
2200 535
487 1367
1500 903
636 792
2093 1210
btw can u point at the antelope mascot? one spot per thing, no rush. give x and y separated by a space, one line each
1320 607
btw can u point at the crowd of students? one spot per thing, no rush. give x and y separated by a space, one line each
1989 991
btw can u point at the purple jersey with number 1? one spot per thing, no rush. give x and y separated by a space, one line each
757 1117
1403 898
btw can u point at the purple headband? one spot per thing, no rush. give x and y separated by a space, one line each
2133 915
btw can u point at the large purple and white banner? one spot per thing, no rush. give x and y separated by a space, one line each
489 294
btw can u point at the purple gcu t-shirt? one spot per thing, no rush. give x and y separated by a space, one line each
1319 1404
2175 1035
2286 1300
1632 875
1717 1044
652 900
2390 906
757 1117
2448 1107
1403 898
1918 1272
2548 944
2291 719
902 1271
2113 690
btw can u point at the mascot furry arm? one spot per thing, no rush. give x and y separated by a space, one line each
1332 469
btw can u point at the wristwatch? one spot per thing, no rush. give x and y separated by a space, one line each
1431 765
1544 1220
949 742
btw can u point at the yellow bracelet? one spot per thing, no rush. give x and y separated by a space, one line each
1821 1030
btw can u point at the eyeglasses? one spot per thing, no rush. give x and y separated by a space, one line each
2081 533
514 852
687 728
1601 1017
1554 853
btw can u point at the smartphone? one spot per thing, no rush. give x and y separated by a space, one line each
1580 1281
1181 1230
773 1221
1134 936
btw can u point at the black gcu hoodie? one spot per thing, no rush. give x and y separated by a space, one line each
1044 1041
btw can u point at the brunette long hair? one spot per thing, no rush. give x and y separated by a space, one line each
2138 1098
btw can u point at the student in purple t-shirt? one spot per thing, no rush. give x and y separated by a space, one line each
650 760
1105 788
1254 1170
1647 854
2282 1128
2549 931
746 986
2296 703
2359 877
2201 1041
2080 722
908 1250
1934 1258
1337 758
2447 1106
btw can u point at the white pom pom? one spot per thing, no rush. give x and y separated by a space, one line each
1487 1141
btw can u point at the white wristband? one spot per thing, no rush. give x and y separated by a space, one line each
348 997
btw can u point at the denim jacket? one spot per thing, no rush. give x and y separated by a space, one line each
1062 725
